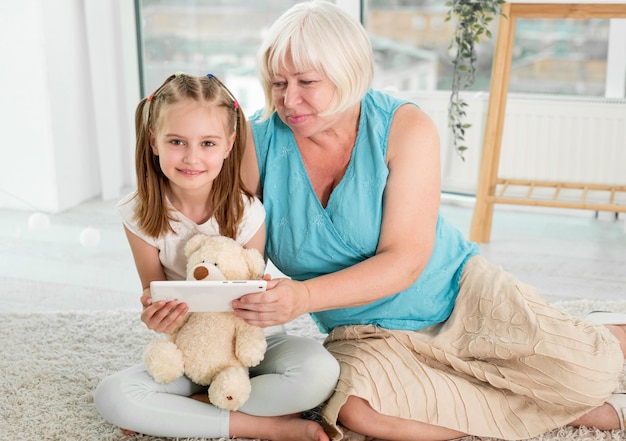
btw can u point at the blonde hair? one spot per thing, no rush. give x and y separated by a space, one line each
152 211
321 36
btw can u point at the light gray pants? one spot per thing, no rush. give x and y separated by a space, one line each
297 374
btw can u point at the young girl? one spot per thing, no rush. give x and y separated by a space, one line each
190 141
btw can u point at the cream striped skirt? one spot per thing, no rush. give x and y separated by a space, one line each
505 364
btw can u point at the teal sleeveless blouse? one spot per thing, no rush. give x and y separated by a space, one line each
305 240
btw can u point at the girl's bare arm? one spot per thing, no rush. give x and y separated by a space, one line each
161 316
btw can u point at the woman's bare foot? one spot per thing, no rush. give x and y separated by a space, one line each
128 432
602 418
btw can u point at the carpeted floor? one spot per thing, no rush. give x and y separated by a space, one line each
50 364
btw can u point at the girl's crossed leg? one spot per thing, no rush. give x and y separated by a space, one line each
297 374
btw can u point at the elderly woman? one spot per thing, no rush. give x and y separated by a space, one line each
434 342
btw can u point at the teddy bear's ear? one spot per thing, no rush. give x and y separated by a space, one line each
194 244
255 261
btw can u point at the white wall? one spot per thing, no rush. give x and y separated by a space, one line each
68 86
27 167
554 138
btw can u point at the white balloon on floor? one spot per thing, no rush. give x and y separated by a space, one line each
38 221
89 237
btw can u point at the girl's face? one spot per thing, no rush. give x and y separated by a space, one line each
192 143
299 97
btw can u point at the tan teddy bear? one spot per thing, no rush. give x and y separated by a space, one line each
213 348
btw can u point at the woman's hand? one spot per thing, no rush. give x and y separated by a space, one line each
283 301
162 316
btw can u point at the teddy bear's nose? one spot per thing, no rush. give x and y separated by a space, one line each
200 273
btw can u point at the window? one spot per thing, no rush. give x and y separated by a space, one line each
410 39
552 56
207 36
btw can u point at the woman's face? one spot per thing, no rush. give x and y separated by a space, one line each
300 96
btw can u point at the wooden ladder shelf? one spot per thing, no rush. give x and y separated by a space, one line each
493 189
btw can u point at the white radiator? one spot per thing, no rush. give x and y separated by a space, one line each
546 138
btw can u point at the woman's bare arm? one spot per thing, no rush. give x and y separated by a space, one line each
250 166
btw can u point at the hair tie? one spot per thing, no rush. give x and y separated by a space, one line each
235 103
178 74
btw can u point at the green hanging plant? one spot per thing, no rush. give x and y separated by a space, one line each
472 23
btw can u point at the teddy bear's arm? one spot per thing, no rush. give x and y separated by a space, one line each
250 344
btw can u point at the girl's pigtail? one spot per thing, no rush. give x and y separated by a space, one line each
237 112
146 111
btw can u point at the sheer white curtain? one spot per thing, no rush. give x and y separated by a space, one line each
114 72
69 84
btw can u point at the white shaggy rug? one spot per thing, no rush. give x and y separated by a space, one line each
51 363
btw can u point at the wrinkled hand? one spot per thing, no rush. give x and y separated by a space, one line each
283 301
162 316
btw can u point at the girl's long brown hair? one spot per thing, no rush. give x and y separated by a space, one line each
152 211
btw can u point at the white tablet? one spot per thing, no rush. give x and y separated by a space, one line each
205 295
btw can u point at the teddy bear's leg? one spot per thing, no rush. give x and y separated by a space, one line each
163 360
230 389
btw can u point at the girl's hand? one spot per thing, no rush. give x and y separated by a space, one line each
283 301
162 316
